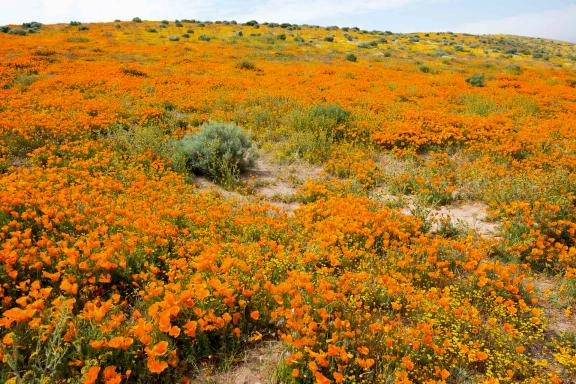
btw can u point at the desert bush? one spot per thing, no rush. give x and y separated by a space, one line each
18 32
173 38
133 72
351 57
476 80
137 20
221 152
83 28
75 23
329 39
204 38
246 64
368 44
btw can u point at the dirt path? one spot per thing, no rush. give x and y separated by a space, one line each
256 366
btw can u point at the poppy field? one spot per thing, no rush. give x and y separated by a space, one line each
119 265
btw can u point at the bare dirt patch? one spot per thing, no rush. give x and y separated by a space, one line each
256 366
549 299
470 214
270 181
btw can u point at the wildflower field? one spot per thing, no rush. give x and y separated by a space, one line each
124 258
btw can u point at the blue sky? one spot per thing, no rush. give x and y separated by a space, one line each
539 18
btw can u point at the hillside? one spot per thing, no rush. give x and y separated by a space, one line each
403 209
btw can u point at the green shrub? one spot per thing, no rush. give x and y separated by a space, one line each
220 152
251 23
329 39
248 65
281 36
351 57
137 20
173 38
204 38
4 29
476 80
368 44
75 23
83 28
313 131
18 32
424 69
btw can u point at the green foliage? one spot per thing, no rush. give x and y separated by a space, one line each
368 44
83 28
476 80
75 23
220 152
137 20
481 105
245 64
424 69
204 38
315 130
174 38
329 39
18 32
135 140
351 57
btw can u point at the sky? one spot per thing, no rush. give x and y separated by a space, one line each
555 19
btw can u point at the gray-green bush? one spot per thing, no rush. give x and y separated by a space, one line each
221 152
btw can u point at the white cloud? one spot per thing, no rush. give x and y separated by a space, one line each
553 24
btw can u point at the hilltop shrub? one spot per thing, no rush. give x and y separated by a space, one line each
220 152
18 32
351 57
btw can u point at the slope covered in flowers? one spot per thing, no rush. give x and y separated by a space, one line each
116 267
